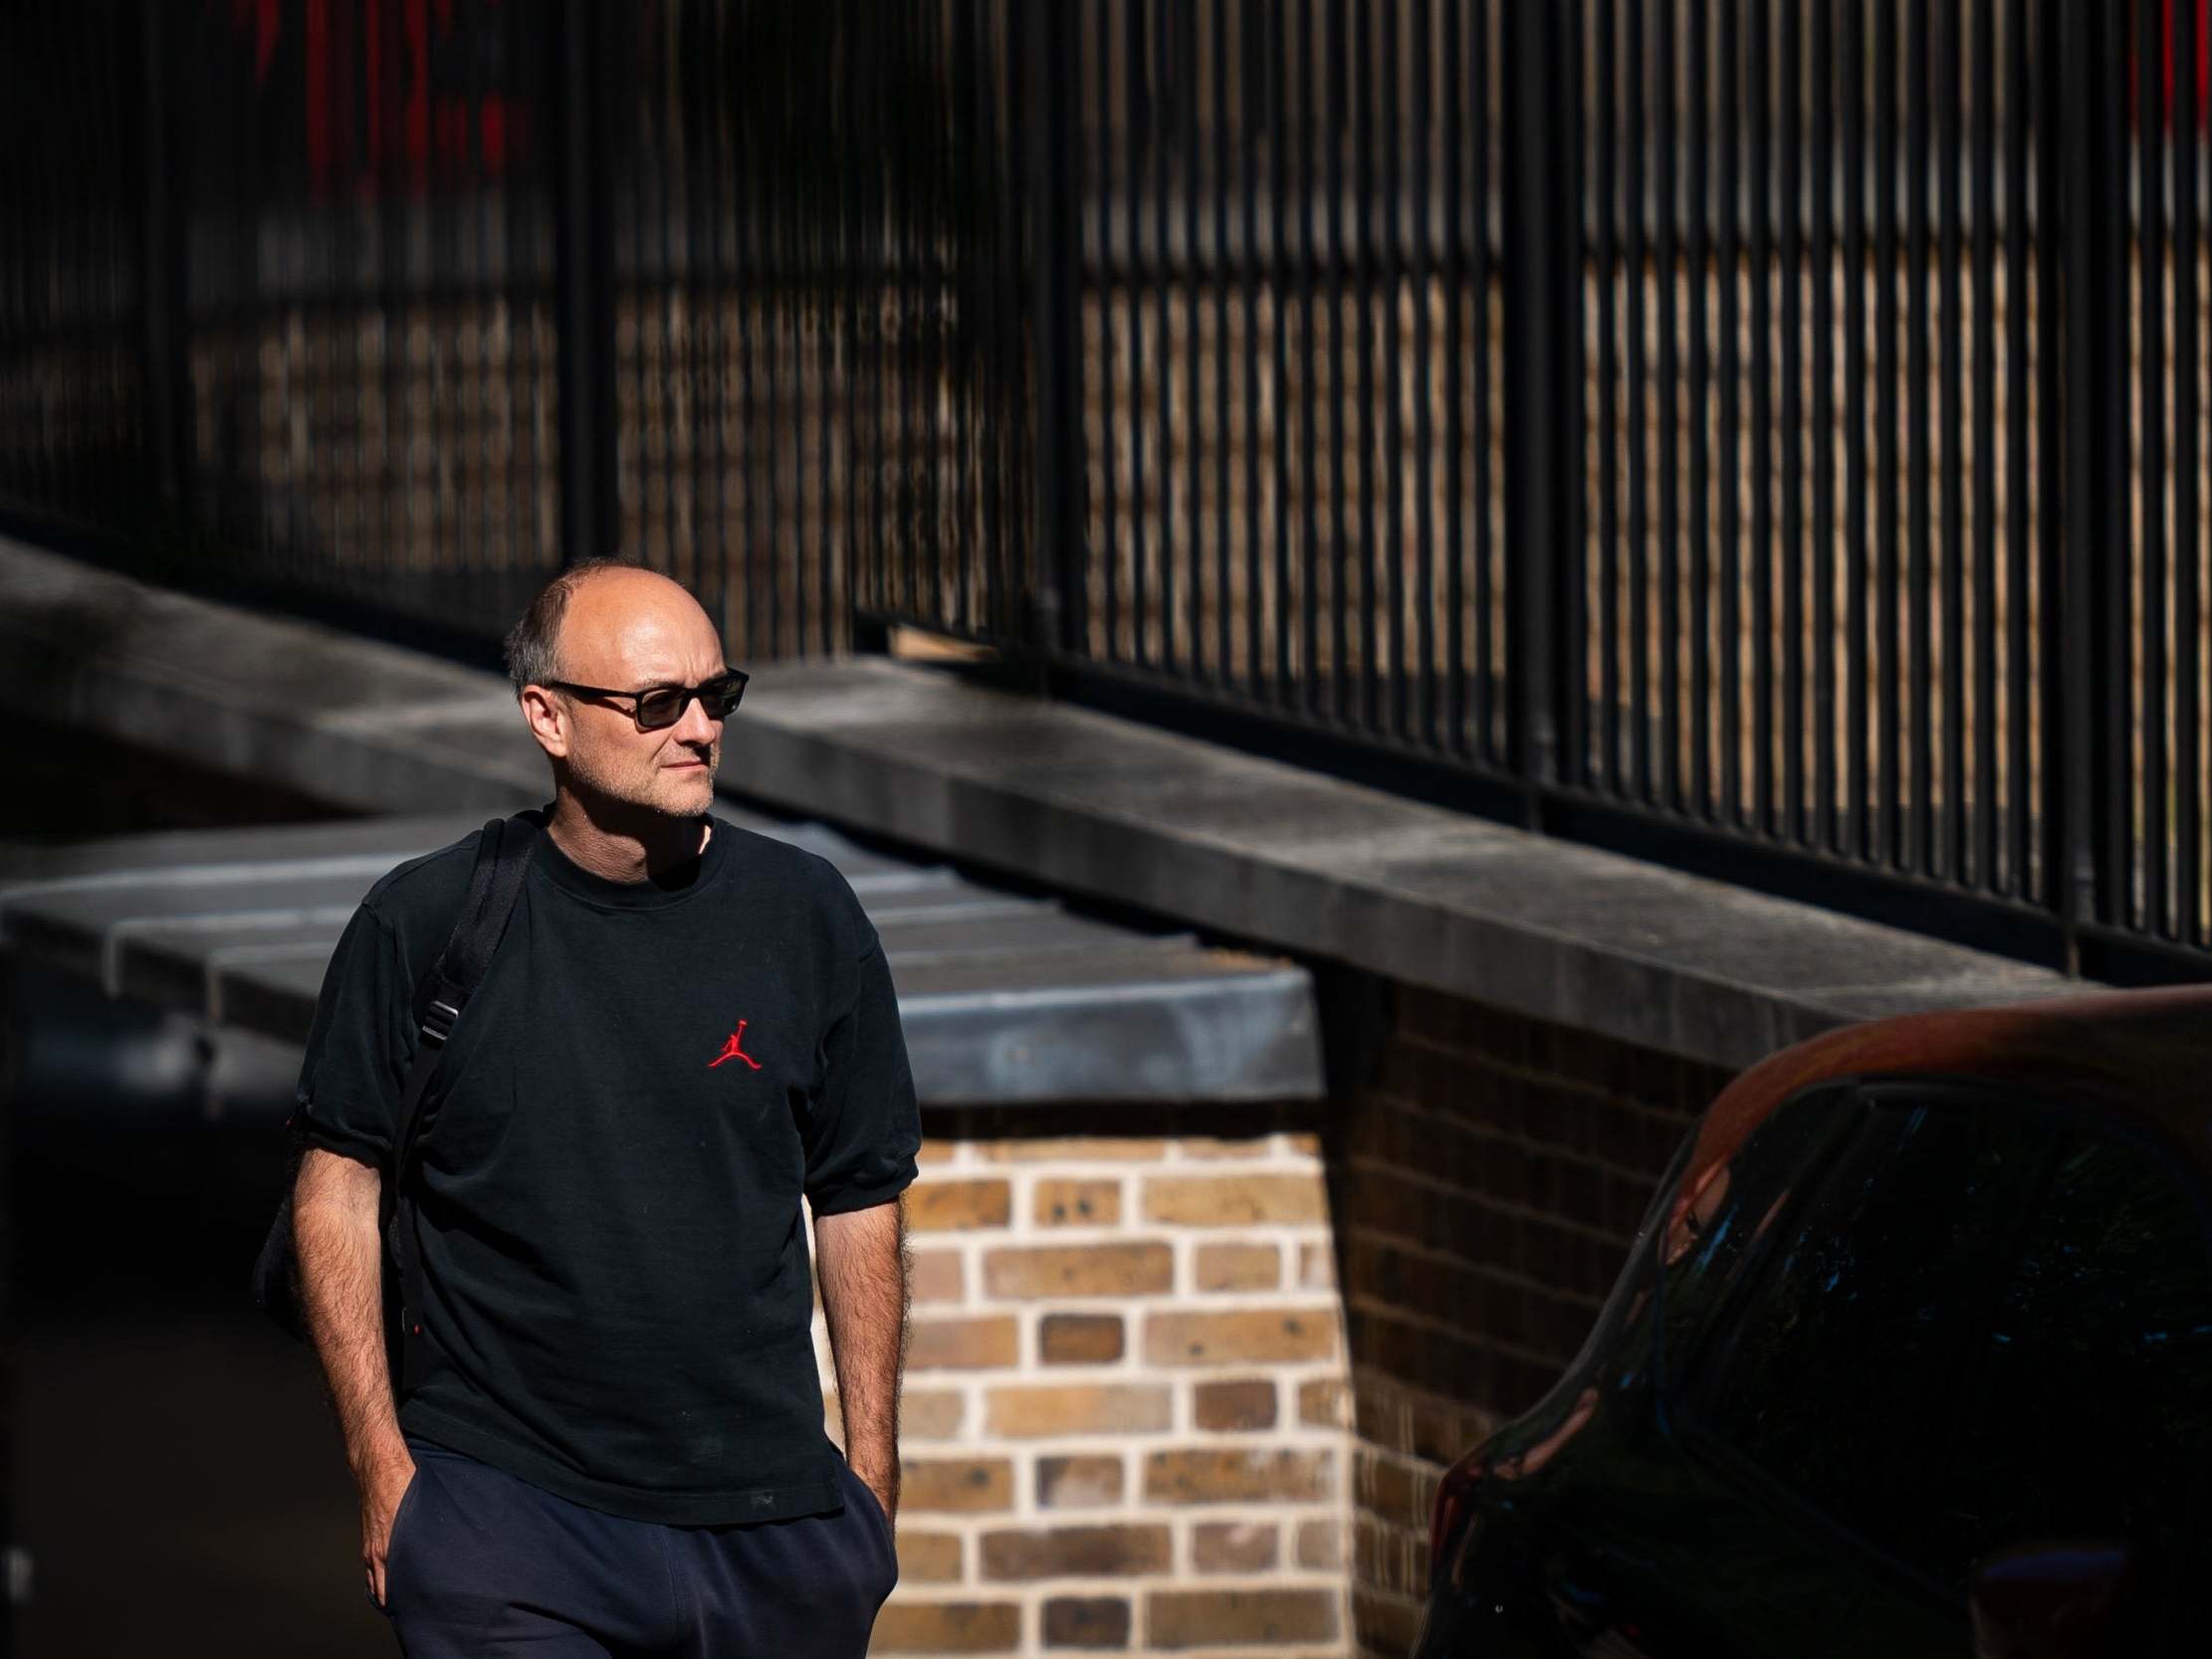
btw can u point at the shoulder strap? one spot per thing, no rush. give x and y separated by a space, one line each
494 879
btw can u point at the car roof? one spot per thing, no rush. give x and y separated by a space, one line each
2141 1055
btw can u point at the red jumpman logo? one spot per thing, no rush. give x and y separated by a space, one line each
735 1050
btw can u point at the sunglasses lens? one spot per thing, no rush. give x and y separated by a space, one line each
719 696
660 708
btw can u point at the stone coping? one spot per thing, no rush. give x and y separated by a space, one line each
1251 848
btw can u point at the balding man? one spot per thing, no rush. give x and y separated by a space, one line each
615 1444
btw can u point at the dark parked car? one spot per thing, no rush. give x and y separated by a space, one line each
1912 1356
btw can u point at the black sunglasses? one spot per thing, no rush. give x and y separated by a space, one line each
663 706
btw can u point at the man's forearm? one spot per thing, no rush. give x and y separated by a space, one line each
341 1255
862 1261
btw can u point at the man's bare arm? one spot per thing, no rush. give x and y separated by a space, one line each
341 1253
862 1262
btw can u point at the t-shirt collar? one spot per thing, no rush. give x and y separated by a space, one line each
671 887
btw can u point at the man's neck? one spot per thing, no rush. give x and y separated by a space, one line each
628 850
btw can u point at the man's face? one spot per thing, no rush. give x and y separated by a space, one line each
628 630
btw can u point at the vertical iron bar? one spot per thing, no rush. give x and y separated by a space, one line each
1278 366
1888 376
2189 823
1458 287
1112 274
1606 769
1425 520
1946 854
1823 141
1707 274
1534 359
1166 106
1763 238
1394 446
1735 249
1050 65
1363 285
1338 607
1638 251
2145 740
2024 427
1309 395
1981 53
1224 276
1487 484
1949 841
1143 127
165 360
1668 227
1789 267
585 296
1858 831
1922 438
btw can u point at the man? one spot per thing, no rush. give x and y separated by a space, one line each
615 1442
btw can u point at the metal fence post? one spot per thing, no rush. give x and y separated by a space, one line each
1539 563
1050 67
2087 772
584 283
162 253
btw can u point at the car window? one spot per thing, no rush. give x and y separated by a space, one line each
1830 1373
2087 1409
1719 1219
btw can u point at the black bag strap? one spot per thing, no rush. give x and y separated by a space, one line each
494 879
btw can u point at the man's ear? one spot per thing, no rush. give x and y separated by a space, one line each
548 716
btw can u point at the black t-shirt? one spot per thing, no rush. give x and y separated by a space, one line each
650 1076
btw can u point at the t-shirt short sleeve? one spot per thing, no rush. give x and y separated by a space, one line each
360 1046
863 1125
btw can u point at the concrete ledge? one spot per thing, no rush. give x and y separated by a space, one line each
1086 802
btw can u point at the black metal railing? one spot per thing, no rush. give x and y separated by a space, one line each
1762 438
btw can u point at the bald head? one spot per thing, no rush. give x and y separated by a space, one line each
539 646
622 629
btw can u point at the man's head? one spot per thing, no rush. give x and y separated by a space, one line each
625 628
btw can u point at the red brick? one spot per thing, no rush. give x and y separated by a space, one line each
936 1206
1075 1551
1079 1338
1089 1621
947 1627
937 1275
964 1343
1223 1476
930 1413
1321 1545
1239 1267
1234 1200
1316 1267
1078 1482
962 1486
1234 1545
1067 1201
1221 1618
1024 1413
1324 1403
1074 1150
1269 1336
929 1557
1079 1270
1248 1404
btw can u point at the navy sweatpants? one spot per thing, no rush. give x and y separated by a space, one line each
483 1565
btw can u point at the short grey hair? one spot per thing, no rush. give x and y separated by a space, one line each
533 643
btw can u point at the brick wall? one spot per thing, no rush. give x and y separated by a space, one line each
1488 1172
1140 1414
1125 1418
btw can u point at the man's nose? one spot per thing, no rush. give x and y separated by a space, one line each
694 726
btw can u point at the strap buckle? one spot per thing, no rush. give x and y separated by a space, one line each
438 1022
